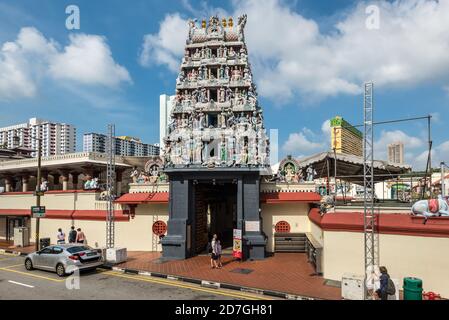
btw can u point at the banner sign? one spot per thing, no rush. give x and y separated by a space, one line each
252 226
237 245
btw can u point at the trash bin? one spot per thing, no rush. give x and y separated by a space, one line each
44 242
412 288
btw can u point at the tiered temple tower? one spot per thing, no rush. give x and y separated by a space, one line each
216 145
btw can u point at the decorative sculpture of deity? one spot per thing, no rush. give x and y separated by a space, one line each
310 171
192 29
241 26
197 54
223 155
221 95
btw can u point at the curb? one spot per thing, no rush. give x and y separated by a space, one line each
16 253
213 285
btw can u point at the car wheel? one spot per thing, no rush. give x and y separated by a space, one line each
29 264
60 270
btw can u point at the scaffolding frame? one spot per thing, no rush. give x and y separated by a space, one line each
369 217
110 187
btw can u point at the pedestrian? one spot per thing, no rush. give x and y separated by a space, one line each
212 252
72 235
386 285
80 237
60 237
218 253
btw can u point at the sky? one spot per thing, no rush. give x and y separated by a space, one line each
309 60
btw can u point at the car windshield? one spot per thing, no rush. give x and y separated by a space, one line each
77 249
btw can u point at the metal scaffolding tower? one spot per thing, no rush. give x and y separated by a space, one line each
110 187
369 219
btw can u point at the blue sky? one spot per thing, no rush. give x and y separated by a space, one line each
310 59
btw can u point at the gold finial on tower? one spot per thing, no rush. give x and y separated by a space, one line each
203 24
223 22
231 23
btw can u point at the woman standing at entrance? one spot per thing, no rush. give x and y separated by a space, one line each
213 252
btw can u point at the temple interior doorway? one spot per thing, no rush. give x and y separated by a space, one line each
216 213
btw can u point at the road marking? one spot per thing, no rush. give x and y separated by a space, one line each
31 275
16 265
169 283
21 284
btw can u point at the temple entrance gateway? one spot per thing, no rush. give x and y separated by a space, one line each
215 213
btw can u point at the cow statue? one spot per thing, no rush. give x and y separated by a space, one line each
431 208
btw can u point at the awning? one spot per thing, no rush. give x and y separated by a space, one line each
350 167
388 223
288 197
15 212
143 197
99 215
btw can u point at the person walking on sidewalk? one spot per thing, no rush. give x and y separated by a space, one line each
72 235
218 253
60 237
80 237
386 285
212 251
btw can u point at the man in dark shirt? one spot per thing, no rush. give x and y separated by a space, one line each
72 235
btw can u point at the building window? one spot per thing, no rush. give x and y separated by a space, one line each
282 227
159 228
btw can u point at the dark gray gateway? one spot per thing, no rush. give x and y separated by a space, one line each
217 147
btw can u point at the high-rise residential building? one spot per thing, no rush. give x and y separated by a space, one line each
345 138
57 138
124 145
165 108
396 152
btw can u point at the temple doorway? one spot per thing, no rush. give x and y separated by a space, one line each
215 213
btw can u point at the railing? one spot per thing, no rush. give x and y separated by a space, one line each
95 156
148 187
287 187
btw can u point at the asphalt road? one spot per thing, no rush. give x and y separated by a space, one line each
16 283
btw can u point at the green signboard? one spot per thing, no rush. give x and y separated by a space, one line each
38 212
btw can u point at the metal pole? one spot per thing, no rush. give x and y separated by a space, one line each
38 189
110 185
442 180
430 155
368 184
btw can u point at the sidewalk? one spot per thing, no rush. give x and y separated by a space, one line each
9 247
280 275
284 273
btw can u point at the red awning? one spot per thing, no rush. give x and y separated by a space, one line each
283 197
99 215
388 223
15 212
68 214
143 197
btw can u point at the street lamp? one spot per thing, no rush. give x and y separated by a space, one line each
38 188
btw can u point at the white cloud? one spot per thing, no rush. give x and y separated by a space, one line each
299 143
291 56
25 62
88 60
167 46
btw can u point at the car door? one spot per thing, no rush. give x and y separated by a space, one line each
54 257
42 257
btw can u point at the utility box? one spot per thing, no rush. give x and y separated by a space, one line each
352 286
21 237
116 255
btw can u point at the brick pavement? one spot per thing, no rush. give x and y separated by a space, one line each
5 245
283 272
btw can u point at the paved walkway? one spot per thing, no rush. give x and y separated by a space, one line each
284 272
9 246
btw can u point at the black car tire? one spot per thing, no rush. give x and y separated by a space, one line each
60 270
29 264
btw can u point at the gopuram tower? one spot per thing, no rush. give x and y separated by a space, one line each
217 144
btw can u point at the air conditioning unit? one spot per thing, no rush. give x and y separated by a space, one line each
116 255
21 237
352 286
